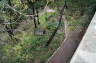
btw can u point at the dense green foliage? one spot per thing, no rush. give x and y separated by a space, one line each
26 25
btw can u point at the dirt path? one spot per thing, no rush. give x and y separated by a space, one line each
65 52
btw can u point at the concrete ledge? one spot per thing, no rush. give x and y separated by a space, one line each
86 52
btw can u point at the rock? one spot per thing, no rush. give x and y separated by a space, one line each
39 32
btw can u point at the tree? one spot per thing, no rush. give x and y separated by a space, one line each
60 18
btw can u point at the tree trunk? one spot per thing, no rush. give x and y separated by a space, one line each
52 36
37 16
31 6
35 25
9 29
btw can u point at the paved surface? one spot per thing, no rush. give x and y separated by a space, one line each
86 53
66 51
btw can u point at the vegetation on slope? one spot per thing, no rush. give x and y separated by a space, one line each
26 26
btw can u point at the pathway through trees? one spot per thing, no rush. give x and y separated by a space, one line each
65 52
